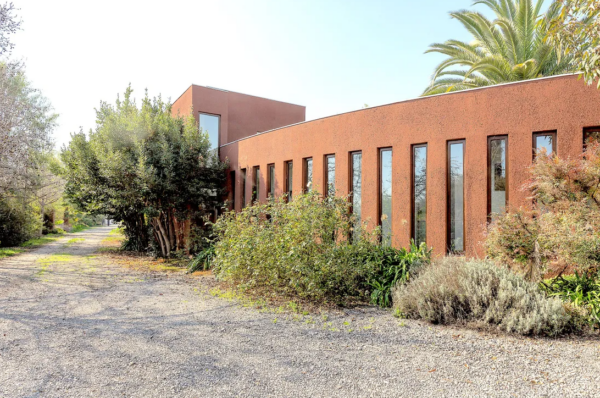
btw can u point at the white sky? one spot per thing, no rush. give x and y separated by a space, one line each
331 55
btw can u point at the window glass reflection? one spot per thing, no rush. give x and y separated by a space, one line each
356 188
386 196
544 142
497 174
456 200
210 125
330 175
420 192
309 174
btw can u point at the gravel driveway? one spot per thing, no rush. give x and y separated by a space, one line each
72 324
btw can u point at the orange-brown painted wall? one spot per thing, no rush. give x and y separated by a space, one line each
242 115
561 103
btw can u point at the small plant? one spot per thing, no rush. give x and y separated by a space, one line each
475 292
202 262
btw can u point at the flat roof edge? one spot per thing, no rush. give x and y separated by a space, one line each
407 100
249 95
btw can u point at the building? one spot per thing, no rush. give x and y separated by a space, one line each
432 168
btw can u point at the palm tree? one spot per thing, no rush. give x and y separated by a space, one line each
508 49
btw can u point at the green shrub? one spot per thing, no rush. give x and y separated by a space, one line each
455 290
302 249
582 291
18 223
202 262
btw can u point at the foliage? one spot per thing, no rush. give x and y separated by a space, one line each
455 290
581 290
203 260
9 25
575 31
392 267
561 230
507 49
301 249
153 171
18 222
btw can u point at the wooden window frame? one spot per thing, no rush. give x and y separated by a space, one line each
551 133
448 188
413 230
489 172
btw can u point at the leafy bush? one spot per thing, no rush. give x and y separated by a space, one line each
582 291
18 223
561 231
455 290
302 249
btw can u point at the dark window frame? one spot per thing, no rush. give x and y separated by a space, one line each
489 172
244 175
305 173
286 169
218 132
586 132
413 231
551 133
233 183
270 182
255 184
380 186
326 173
351 178
448 194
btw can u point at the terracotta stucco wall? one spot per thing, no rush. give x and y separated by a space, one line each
517 110
242 115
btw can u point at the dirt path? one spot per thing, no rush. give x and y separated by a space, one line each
72 324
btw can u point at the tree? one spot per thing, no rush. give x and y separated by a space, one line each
154 172
560 230
575 31
8 26
510 48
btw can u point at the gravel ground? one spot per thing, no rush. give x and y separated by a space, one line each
72 324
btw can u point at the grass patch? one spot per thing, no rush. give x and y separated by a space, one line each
79 228
74 240
56 258
40 241
10 251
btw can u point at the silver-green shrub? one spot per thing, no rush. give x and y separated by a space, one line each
478 292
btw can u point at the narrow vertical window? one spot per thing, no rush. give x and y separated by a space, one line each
497 175
289 174
255 184
385 195
590 134
330 175
307 175
243 188
419 193
233 183
544 141
356 184
271 181
456 196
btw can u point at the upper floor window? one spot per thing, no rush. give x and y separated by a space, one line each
330 175
307 175
210 124
545 140
243 188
